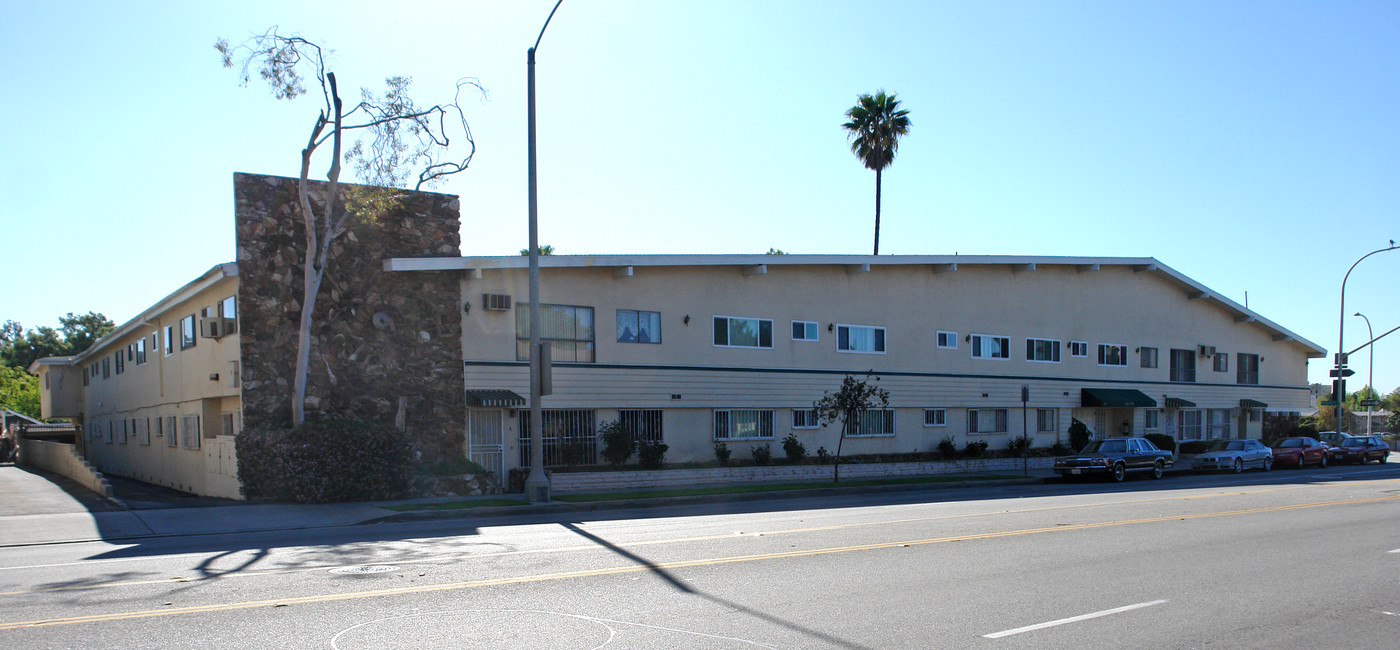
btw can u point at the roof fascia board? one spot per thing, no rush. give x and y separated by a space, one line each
208 279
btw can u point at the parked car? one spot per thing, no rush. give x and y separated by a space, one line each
1115 458
1359 449
1299 452
1236 455
1333 440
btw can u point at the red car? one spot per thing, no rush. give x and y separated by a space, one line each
1299 452
1359 449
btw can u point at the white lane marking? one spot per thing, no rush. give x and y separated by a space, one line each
1394 551
1072 619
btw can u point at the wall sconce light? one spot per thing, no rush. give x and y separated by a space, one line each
686 320
830 326
467 307
967 338
1137 349
213 376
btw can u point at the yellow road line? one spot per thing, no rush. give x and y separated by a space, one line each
699 538
323 598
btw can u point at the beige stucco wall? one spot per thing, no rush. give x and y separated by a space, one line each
1114 305
60 391
201 381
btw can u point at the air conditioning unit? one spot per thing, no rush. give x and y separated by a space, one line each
1207 350
217 328
495 302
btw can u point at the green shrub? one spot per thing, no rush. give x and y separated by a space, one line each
948 447
975 448
574 451
324 461
651 454
1194 446
722 453
761 454
794 449
1078 434
1020 445
618 443
452 467
1163 441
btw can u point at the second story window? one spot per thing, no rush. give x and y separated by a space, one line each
1147 357
1043 350
635 326
566 329
1078 349
1113 355
187 331
860 338
990 347
1183 366
1247 368
732 332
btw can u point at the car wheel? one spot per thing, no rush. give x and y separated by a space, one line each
1381 460
1300 461
1119 473
1158 469
1268 464
1323 464
1239 465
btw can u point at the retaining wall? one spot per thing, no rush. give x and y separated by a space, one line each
569 482
63 459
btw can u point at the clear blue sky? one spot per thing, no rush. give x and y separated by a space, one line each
1253 146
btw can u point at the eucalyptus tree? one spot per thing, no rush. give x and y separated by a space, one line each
392 141
873 127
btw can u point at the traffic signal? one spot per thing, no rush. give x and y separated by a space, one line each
1339 390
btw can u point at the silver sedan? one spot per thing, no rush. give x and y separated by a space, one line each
1236 455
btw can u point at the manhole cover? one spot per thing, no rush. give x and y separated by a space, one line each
365 568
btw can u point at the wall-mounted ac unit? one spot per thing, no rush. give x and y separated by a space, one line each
1207 350
217 328
495 301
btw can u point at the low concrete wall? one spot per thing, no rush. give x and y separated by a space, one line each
63 459
567 482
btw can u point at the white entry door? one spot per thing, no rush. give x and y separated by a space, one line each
485 428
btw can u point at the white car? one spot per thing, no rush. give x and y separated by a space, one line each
1236 455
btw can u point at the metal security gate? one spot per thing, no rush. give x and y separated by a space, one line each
485 441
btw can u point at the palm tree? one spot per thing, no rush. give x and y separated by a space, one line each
876 123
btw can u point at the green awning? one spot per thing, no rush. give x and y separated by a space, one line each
488 397
1124 397
1252 404
1178 403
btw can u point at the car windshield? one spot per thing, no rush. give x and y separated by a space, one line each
1106 447
1291 442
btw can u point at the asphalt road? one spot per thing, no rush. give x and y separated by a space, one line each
1287 559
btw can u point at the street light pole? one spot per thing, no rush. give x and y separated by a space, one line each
1370 369
537 483
1341 327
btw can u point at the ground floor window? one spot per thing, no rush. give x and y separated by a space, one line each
189 432
1046 420
805 419
935 417
570 437
1190 424
875 422
643 424
1218 426
744 424
1152 420
986 420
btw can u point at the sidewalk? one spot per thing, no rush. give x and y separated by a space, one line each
41 508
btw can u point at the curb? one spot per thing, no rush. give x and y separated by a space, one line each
623 504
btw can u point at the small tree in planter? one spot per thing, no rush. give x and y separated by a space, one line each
948 447
651 454
1078 434
794 449
761 454
722 453
848 405
618 443
975 448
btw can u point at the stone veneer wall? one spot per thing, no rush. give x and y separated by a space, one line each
381 341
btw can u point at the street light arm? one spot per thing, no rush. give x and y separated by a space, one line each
1341 327
546 26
